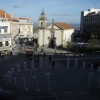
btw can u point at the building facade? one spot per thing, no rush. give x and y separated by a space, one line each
35 35
8 31
25 28
90 23
55 34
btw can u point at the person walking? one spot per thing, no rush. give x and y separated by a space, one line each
49 59
53 64
23 47
36 49
10 53
2 56
44 55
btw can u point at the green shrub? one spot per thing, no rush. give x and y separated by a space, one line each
42 50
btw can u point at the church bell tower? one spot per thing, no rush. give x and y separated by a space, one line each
42 21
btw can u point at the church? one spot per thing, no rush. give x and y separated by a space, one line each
54 34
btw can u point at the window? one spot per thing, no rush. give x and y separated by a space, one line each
0 44
5 30
6 43
41 23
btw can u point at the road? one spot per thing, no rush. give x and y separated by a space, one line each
17 58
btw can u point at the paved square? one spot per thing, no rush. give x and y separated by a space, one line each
64 83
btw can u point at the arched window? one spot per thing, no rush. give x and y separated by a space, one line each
41 23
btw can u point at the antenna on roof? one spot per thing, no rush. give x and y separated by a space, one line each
94 3
62 26
52 20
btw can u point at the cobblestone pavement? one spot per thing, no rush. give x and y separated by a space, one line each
66 84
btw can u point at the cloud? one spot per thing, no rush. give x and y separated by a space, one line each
58 14
65 3
17 6
24 2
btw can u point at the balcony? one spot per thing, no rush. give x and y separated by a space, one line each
54 38
5 48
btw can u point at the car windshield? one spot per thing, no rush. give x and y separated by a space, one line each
1 91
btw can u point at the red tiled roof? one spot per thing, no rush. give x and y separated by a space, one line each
8 16
63 25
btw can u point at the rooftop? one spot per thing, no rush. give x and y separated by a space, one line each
3 14
23 19
63 25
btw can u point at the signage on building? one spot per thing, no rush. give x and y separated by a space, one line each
5 36
3 27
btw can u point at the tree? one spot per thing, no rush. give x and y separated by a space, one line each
42 50
70 45
93 42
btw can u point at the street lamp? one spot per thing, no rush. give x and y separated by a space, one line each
55 47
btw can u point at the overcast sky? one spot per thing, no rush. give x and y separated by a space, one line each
60 10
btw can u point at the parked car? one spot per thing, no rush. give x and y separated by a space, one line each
96 64
6 95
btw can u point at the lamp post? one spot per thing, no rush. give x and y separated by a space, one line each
55 48
33 45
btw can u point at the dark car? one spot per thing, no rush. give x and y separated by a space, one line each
6 95
96 64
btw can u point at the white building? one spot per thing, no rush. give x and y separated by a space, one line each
35 35
8 31
26 28
57 33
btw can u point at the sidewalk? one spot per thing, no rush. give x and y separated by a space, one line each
66 84
77 57
5 58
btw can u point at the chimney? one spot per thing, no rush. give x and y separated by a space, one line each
5 15
17 18
12 15
52 20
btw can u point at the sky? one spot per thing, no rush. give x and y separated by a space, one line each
60 10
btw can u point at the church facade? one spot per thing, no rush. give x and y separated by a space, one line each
55 34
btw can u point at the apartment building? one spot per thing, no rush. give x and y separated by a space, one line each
90 23
25 28
8 31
